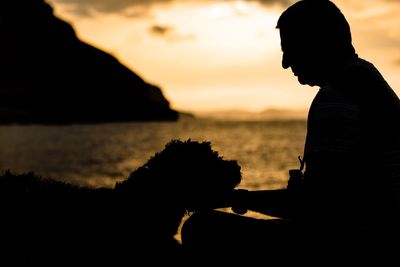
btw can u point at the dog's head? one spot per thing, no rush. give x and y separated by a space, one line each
186 174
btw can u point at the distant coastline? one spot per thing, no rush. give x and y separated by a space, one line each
243 115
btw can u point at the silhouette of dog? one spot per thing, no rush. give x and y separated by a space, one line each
51 223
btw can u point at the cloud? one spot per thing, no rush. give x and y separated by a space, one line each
127 7
160 30
274 2
135 7
169 33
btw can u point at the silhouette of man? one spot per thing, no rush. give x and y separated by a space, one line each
348 196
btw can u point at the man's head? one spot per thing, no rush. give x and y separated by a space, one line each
315 40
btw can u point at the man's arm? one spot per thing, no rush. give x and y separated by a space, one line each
276 203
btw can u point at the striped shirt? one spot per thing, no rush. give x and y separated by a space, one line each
352 150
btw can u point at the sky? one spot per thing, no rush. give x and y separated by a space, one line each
223 54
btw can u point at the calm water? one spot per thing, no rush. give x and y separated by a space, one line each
99 155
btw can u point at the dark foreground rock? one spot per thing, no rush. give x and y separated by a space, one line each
49 76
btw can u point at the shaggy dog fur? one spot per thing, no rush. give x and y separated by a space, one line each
51 223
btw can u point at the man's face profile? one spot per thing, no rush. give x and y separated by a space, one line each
302 56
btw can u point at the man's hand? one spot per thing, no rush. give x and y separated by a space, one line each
295 180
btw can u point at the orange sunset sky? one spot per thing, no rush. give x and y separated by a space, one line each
218 55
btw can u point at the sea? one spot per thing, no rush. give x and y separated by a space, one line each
99 155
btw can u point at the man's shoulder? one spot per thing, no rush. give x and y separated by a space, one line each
360 72
361 80
349 95
361 64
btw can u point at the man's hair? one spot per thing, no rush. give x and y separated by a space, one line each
319 20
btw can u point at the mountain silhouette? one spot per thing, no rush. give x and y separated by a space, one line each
49 76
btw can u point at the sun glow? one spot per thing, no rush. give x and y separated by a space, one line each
226 54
